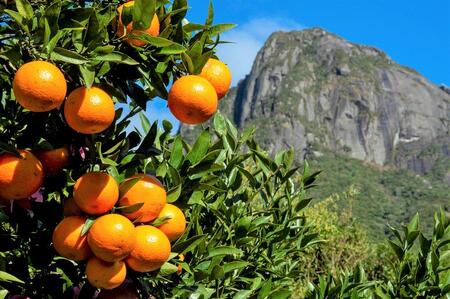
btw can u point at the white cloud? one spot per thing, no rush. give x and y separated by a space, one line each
247 39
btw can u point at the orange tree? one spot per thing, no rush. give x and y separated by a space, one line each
65 152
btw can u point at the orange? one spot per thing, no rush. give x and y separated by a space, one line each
151 251
71 209
192 99
153 30
96 193
125 291
147 190
105 275
219 75
176 225
89 110
68 241
20 177
112 237
53 160
39 86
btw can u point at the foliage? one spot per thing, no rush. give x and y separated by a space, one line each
419 268
386 196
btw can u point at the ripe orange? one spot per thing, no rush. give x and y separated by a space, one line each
176 225
96 193
148 190
152 249
105 275
219 75
125 291
192 99
71 208
53 160
112 237
39 86
153 30
89 110
68 241
20 177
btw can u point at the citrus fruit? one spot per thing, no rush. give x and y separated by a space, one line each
68 241
143 189
112 237
192 99
53 160
219 75
39 86
151 251
20 177
96 193
176 223
105 275
89 110
71 208
153 29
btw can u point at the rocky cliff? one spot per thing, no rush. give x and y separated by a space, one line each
313 90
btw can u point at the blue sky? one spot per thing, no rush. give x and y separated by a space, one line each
415 33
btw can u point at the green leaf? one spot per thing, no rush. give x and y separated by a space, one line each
231 266
217 272
24 8
176 156
188 245
116 57
88 74
210 18
160 221
220 28
173 194
87 226
4 147
9 278
130 209
223 250
168 269
145 122
172 50
3 294
143 11
61 54
200 147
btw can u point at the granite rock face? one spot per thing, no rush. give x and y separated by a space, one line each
313 90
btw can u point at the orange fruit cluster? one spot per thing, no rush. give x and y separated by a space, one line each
113 242
40 86
193 99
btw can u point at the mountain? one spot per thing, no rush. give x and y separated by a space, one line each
328 97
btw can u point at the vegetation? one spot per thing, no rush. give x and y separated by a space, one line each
90 208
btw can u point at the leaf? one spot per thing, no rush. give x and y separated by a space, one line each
224 250
143 11
24 8
3 294
220 28
145 122
4 147
217 272
9 278
176 156
116 57
210 18
88 75
172 50
173 194
87 226
160 221
200 147
168 269
231 266
188 245
130 209
61 54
